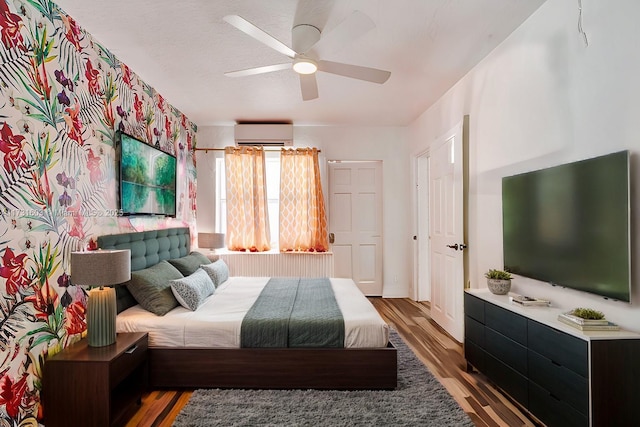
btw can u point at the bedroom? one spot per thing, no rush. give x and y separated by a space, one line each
540 98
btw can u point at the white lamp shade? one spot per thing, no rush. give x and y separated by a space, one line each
211 240
100 268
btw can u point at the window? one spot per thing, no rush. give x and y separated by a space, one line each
272 172
300 227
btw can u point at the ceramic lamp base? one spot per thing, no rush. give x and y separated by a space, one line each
101 317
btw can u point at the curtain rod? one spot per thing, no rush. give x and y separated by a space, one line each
264 148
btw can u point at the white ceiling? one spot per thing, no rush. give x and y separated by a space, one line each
182 49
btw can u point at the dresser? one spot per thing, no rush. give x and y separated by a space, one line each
561 375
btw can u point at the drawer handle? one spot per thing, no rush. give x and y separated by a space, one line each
132 349
553 397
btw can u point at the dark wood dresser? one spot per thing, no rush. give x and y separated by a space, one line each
561 375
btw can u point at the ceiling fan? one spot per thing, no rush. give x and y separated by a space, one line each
304 38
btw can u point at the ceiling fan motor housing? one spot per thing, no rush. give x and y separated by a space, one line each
303 37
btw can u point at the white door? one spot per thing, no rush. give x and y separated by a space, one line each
422 253
447 236
355 222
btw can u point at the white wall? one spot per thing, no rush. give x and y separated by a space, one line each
388 144
543 98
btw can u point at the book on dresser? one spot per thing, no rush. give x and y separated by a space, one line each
602 325
528 301
581 321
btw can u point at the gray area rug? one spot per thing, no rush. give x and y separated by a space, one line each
419 400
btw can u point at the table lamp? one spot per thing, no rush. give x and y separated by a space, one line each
211 241
101 268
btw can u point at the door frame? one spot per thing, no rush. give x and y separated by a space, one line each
421 293
465 207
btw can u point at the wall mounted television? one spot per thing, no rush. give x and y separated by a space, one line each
570 225
147 178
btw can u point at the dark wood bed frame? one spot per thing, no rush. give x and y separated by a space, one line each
283 368
275 368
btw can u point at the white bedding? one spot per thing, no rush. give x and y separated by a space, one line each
216 323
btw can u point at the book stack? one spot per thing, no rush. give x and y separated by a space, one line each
587 324
528 301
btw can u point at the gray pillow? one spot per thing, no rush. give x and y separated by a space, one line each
191 291
188 264
218 271
124 299
151 287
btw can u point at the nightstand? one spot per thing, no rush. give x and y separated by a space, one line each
95 386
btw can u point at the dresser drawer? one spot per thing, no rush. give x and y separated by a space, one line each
560 382
506 350
474 307
474 355
474 331
561 348
515 384
553 412
509 324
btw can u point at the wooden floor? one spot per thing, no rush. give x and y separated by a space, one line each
435 348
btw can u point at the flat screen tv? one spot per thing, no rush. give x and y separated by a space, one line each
147 178
570 225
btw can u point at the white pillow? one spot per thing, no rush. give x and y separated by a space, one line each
192 290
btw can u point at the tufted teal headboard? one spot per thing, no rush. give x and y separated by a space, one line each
147 248
150 247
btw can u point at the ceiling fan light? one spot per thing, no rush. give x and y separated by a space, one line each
305 66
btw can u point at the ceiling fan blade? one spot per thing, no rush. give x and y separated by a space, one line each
258 70
255 32
351 28
354 71
308 86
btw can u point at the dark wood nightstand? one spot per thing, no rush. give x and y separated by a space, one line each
95 386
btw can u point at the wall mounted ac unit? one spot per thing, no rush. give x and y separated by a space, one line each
269 135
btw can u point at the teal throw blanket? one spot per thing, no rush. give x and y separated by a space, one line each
294 312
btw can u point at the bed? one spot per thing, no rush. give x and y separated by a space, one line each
201 348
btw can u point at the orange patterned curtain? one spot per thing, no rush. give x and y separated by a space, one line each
247 216
303 223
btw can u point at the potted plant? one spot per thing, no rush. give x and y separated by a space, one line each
587 313
498 281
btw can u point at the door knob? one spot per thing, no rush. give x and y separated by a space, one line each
456 246
332 238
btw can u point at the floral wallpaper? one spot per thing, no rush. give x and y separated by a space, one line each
63 97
